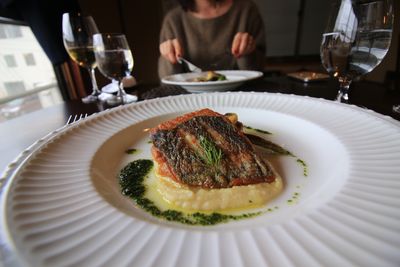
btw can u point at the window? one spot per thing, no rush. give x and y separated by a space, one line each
3 34
30 59
14 88
10 31
23 91
14 31
10 61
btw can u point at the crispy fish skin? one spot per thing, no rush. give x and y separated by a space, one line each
178 150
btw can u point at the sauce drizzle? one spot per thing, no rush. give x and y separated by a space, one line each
131 151
131 179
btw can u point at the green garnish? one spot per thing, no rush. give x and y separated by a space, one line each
131 151
221 78
212 154
304 165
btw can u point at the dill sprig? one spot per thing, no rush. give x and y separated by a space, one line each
212 154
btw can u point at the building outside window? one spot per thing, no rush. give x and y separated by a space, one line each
3 34
10 61
9 31
15 88
30 59
14 32
27 79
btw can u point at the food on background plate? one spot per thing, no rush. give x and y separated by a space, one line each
211 76
205 162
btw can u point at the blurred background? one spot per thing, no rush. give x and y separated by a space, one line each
36 72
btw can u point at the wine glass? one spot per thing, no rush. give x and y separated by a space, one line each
356 39
115 61
78 33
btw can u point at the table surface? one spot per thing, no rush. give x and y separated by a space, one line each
18 134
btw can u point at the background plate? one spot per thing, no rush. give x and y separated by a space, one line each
61 206
234 78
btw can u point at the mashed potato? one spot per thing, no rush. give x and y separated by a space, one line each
199 199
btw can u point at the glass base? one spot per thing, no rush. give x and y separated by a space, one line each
90 99
105 96
342 98
125 99
110 88
97 97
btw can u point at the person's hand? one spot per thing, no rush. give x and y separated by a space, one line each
243 44
171 49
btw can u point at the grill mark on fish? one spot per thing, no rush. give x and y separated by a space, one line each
242 153
193 142
186 165
181 148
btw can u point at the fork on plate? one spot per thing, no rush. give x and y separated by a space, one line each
72 119
191 66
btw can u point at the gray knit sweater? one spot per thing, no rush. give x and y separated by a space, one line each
207 42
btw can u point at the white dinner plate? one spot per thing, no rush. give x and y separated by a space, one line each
61 204
234 78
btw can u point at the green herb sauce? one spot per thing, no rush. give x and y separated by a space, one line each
304 165
131 179
131 151
294 199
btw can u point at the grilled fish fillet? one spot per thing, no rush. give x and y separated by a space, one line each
204 149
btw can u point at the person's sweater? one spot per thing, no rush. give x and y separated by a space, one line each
207 42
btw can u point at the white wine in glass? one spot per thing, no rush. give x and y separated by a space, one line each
356 40
78 33
84 56
115 61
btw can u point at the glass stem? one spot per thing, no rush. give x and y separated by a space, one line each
344 85
95 89
121 91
